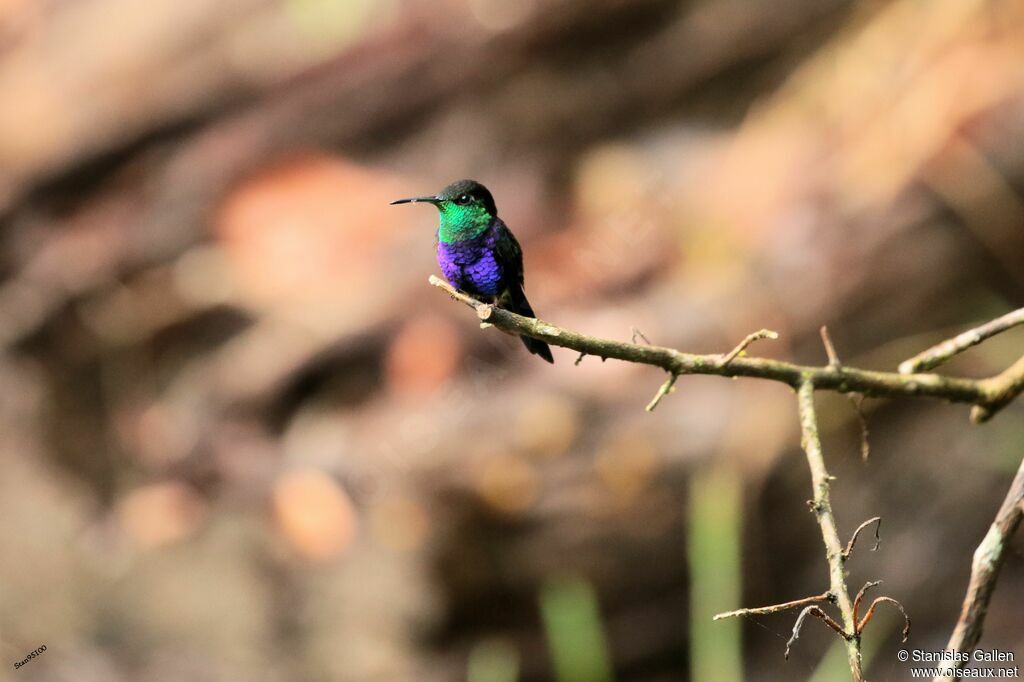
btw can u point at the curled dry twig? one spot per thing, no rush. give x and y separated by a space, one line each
871 611
877 520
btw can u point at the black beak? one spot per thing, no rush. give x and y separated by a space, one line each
412 200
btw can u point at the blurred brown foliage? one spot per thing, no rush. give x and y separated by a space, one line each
241 439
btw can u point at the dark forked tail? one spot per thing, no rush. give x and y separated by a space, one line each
519 305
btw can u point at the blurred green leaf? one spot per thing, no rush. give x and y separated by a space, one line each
493 660
715 584
572 623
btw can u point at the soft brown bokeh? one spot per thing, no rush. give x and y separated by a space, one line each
241 438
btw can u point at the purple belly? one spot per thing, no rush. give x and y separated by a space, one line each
470 268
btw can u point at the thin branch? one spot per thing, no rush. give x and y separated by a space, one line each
665 389
843 379
776 608
825 618
820 479
751 338
940 353
853 540
988 559
871 610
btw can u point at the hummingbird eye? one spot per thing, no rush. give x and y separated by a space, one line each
463 199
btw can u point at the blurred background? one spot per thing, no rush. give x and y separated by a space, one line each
242 439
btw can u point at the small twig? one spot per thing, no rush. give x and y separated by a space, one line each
830 349
825 618
871 611
988 560
665 389
775 608
751 338
942 352
583 354
636 333
853 539
860 597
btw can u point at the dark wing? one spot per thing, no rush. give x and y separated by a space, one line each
509 254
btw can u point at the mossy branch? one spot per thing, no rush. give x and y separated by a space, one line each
987 395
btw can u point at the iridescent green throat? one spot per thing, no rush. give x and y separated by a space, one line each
459 223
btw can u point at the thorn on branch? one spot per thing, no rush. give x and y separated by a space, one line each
871 611
776 608
751 338
877 520
583 354
665 389
825 618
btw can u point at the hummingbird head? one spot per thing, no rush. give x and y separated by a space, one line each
466 209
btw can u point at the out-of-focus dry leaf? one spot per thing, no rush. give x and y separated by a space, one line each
546 425
399 522
314 514
424 354
626 466
310 234
507 482
161 513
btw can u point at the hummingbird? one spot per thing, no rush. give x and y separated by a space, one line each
477 252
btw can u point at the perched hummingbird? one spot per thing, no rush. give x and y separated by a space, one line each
477 252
